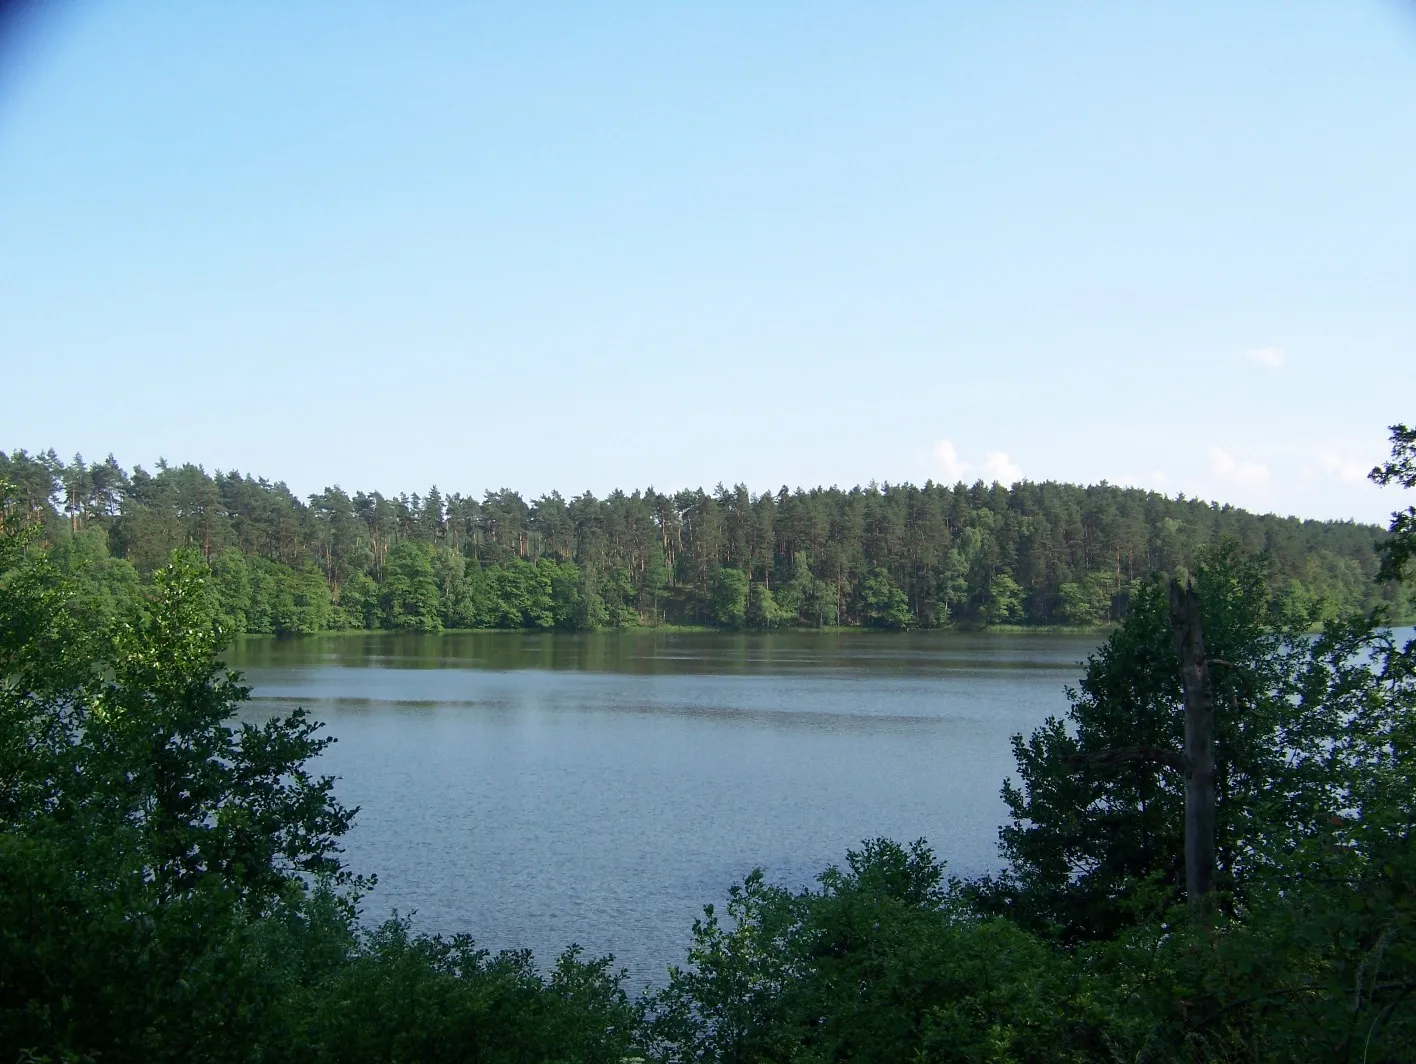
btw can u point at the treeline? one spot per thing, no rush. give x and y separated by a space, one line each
890 556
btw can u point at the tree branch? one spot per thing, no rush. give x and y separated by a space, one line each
1120 755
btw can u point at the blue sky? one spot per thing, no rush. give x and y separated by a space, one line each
586 246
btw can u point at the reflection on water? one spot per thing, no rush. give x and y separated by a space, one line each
667 652
542 789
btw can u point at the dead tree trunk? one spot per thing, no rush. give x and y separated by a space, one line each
1199 743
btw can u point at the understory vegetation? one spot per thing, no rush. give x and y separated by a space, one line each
171 887
891 556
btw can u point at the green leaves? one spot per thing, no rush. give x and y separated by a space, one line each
762 609
409 592
883 605
395 996
1087 602
140 829
1087 822
967 555
878 963
730 598
1400 469
1005 600
156 861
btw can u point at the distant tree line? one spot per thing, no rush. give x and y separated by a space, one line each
884 556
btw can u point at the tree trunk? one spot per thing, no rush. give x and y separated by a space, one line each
1199 743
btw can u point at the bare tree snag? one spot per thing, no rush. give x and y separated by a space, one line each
1199 742
1196 764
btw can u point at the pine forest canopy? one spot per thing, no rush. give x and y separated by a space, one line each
888 556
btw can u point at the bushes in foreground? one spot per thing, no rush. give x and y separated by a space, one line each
170 884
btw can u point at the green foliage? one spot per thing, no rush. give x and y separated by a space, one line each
358 605
254 594
301 603
395 996
806 598
101 586
883 604
1079 953
171 887
879 963
409 593
522 595
730 598
140 830
1087 602
1085 826
618 593
1005 600
1400 469
230 587
1030 554
156 860
584 607
1319 960
762 608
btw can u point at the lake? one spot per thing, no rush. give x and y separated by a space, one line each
536 790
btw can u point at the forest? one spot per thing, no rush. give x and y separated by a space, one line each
883 556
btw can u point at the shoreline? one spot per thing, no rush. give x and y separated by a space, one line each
637 631
703 629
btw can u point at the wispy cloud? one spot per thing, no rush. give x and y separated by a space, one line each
1272 357
1336 465
996 465
1235 470
950 464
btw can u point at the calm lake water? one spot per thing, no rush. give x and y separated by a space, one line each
536 790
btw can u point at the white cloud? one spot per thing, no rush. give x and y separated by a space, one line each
997 466
953 467
1343 468
1272 357
1232 469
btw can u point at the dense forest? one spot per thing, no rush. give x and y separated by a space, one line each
172 887
885 556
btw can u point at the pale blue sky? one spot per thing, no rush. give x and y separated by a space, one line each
594 245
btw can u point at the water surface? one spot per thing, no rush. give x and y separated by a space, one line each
541 789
